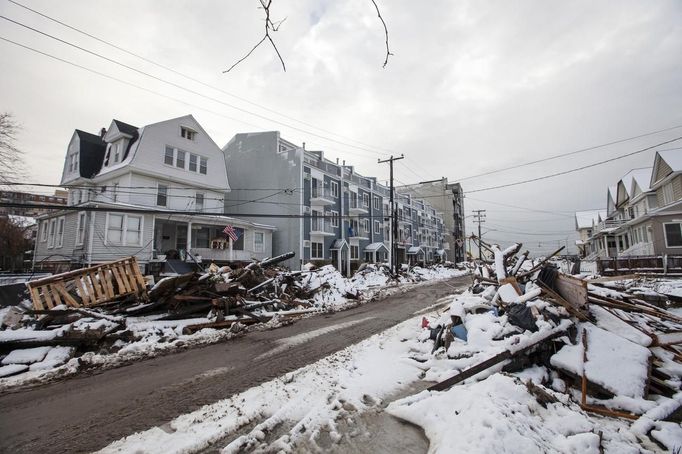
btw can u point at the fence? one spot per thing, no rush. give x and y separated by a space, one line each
667 264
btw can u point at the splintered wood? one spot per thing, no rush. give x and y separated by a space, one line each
89 286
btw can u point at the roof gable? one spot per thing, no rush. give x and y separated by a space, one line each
665 163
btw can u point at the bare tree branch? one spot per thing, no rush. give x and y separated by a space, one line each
269 26
388 50
12 166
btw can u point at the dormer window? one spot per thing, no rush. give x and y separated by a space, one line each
73 162
187 133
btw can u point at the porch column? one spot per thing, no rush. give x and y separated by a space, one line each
189 239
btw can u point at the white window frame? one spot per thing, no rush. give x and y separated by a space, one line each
158 188
199 196
52 232
377 227
80 228
377 202
124 232
355 248
365 200
313 246
188 133
59 234
334 188
43 232
365 225
184 159
117 151
334 221
668 194
203 164
258 246
166 149
196 163
665 234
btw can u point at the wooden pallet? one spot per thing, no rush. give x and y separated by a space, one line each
89 286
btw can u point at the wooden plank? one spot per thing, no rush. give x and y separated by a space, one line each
119 283
572 290
47 296
68 299
559 299
35 296
488 363
87 280
124 278
106 283
138 275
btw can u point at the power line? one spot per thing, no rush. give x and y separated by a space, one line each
188 77
571 153
181 87
573 170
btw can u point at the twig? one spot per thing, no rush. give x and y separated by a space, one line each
269 25
388 50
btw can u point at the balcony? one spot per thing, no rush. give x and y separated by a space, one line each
356 208
322 196
357 234
608 225
323 227
208 254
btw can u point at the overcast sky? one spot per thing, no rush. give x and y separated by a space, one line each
472 87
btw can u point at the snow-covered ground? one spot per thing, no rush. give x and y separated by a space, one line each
150 337
316 408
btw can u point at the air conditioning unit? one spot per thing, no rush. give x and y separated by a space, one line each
306 210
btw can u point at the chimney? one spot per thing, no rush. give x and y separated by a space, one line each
102 132
304 145
337 161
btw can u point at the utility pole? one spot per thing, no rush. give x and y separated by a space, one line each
479 217
394 226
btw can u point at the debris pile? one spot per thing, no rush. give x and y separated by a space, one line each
596 344
83 317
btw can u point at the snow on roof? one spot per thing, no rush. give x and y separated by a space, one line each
22 221
375 247
414 250
673 158
584 219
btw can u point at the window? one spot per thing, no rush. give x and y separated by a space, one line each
316 250
199 201
201 237
192 163
365 225
377 227
377 203
60 232
239 244
258 242
53 226
334 187
673 234
133 231
365 200
162 195
43 231
168 157
124 229
203 163
80 229
73 162
354 252
334 218
114 192
117 151
180 159
187 133
668 194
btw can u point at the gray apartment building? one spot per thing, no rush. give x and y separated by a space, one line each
324 210
448 199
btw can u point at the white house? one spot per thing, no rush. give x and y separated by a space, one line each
173 166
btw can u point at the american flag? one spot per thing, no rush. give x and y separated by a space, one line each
231 232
